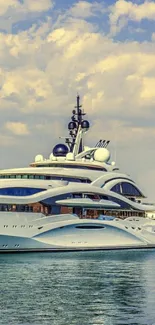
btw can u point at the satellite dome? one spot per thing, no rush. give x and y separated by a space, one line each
86 148
85 125
60 150
102 155
51 156
39 158
71 125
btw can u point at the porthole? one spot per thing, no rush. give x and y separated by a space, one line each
90 227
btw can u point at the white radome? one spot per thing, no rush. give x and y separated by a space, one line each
39 158
51 156
86 148
102 155
70 156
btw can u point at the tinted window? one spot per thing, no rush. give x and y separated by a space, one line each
48 177
116 188
126 188
129 189
90 227
19 191
123 205
76 195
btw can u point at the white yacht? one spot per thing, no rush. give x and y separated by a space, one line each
74 200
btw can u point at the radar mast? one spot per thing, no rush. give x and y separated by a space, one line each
77 127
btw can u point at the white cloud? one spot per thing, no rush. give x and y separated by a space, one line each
27 6
44 67
38 6
8 4
153 37
148 89
17 128
86 9
80 59
13 12
134 30
123 11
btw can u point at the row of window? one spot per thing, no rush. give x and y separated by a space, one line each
20 191
82 213
120 214
47 177
26 191
79 227
22 226
6 245
36 208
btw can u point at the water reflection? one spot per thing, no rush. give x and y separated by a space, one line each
110 288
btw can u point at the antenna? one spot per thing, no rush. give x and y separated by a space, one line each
106 144
102 143
77 127
78 106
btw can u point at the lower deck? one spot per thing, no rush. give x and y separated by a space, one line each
82 213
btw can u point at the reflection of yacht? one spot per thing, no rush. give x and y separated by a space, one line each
75 200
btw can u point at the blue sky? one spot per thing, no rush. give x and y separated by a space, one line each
134 30
105 50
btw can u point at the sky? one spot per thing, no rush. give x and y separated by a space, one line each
103 50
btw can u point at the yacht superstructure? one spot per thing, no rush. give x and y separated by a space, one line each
74 200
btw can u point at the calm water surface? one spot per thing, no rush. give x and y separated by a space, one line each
108 288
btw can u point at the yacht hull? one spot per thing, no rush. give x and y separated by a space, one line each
68 233
77 249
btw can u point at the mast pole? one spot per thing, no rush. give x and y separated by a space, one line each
79 115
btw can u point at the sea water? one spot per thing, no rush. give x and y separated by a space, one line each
82 288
